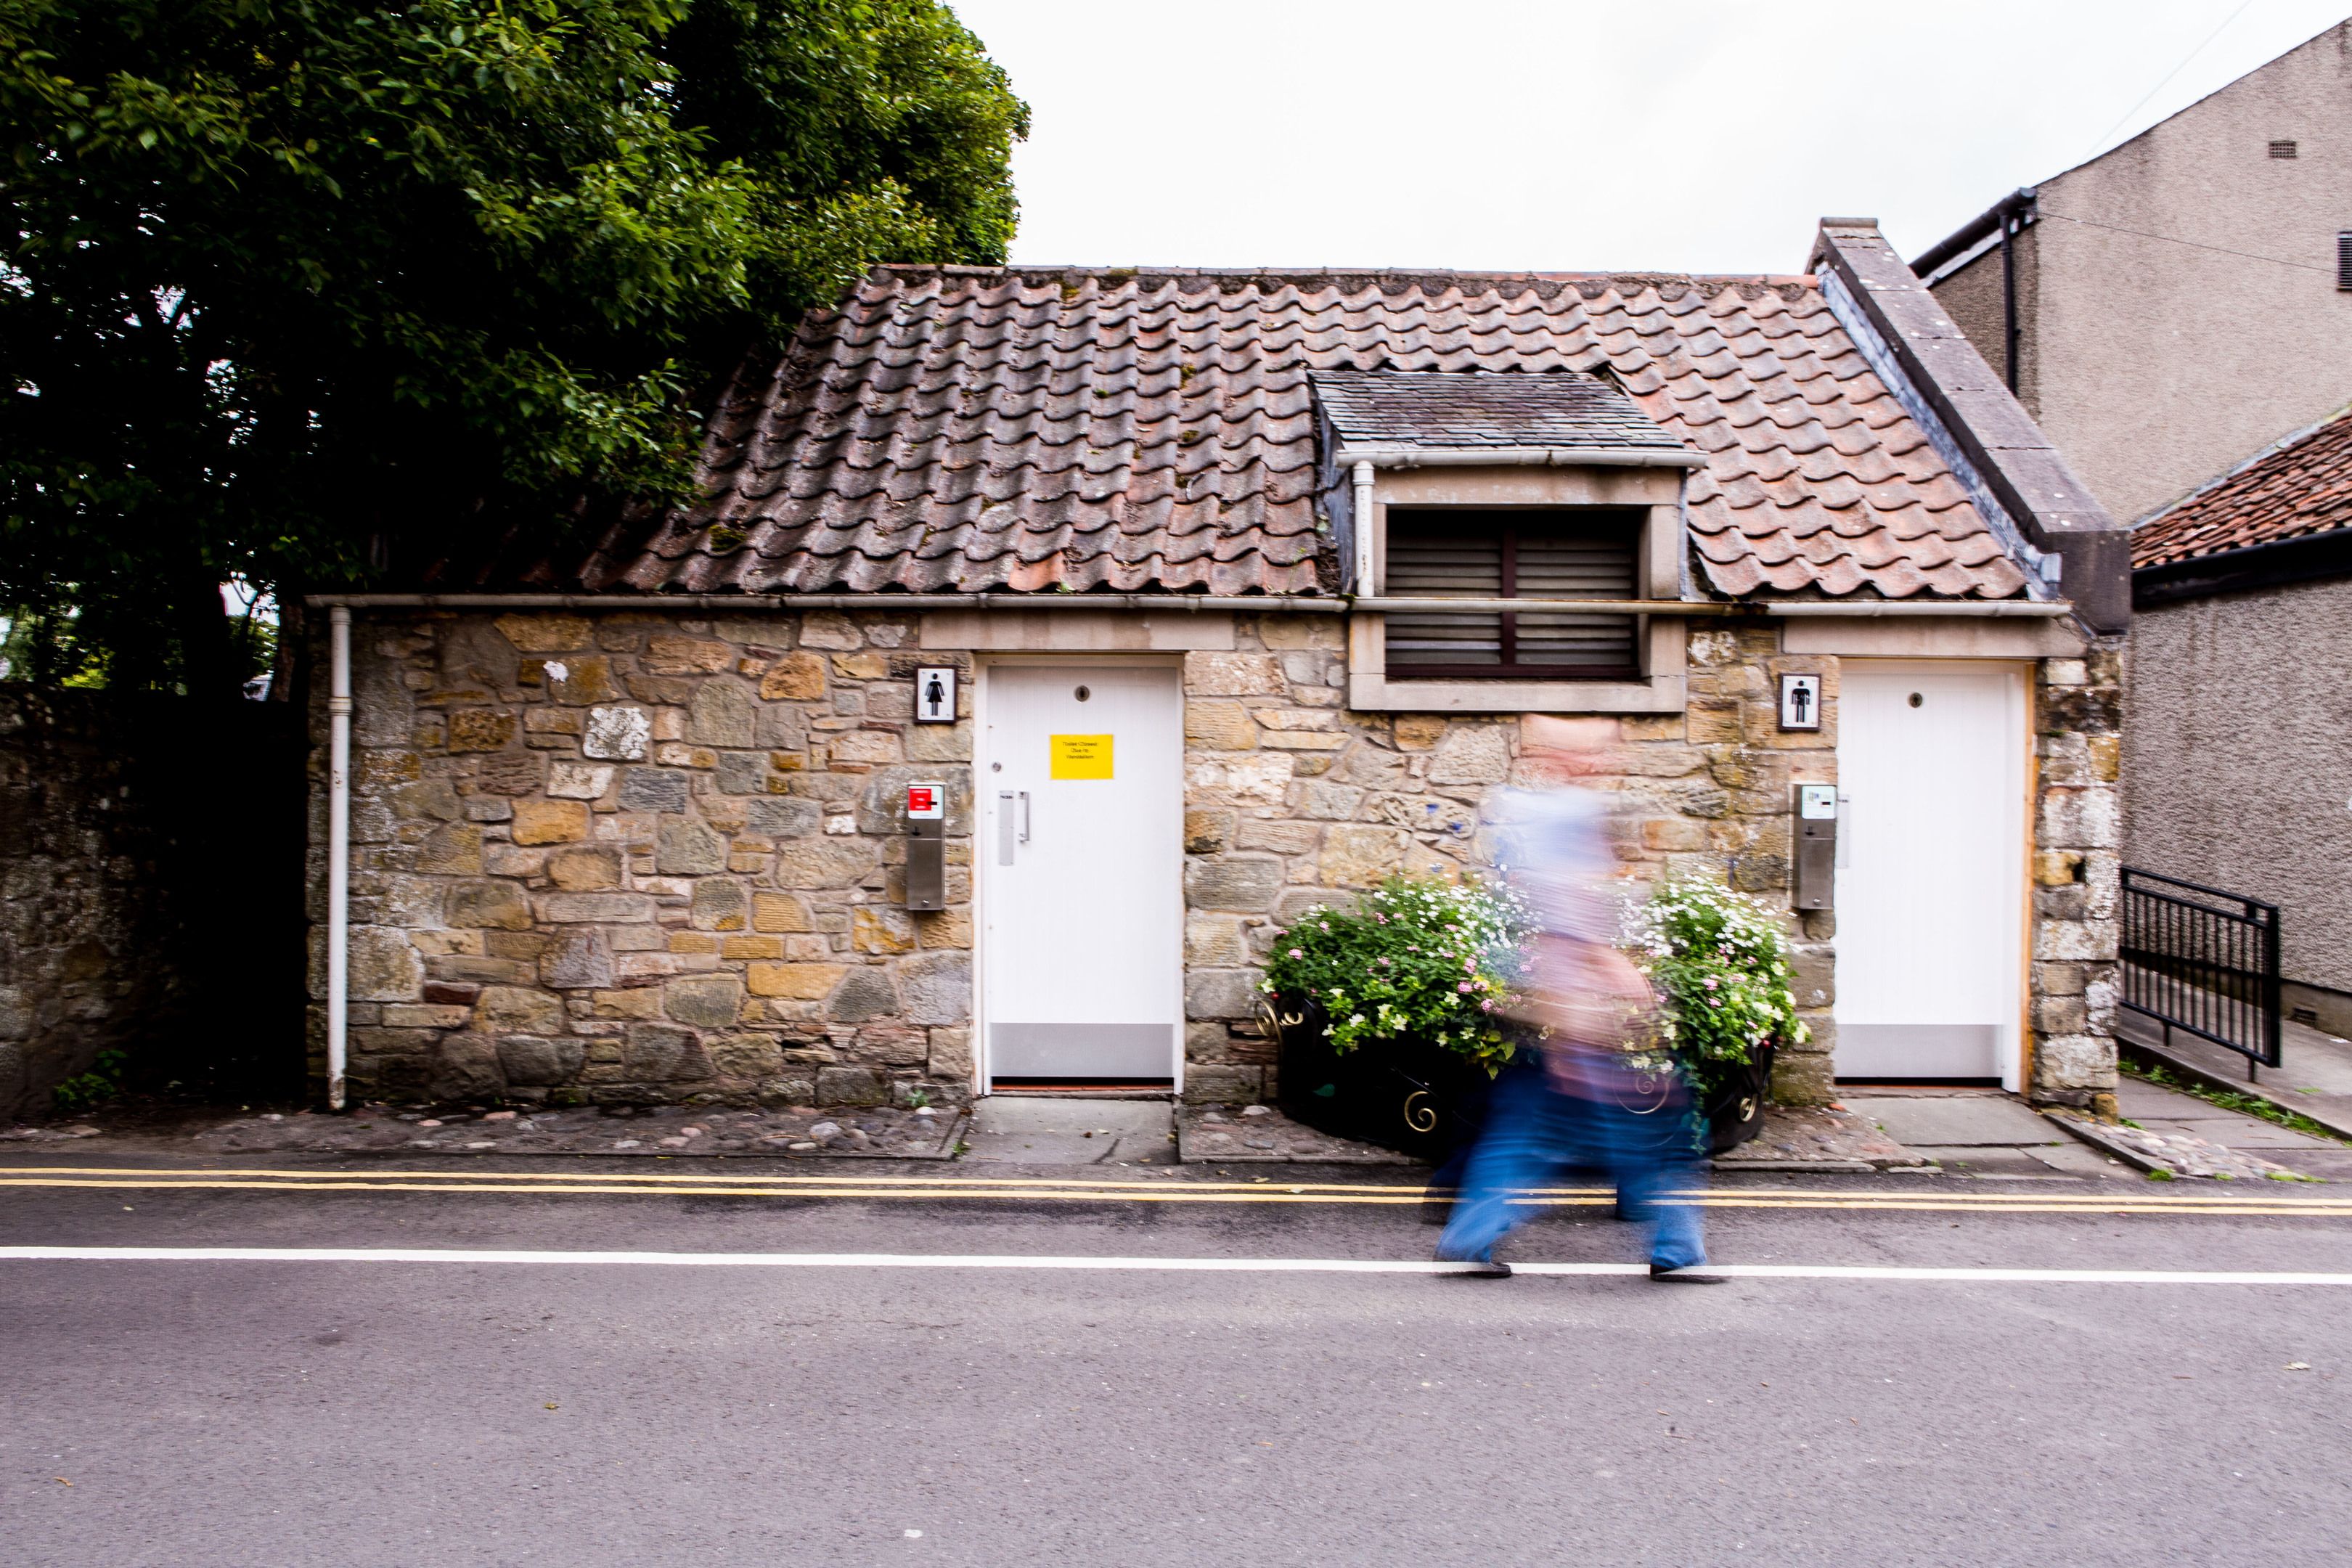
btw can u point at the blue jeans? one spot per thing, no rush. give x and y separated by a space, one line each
1534 1134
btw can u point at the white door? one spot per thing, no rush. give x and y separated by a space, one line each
1930 882
1082 878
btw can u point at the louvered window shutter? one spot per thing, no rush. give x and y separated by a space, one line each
1510 555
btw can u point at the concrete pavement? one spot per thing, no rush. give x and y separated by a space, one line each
288 1413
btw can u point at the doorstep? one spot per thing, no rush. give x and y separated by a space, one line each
1238 1134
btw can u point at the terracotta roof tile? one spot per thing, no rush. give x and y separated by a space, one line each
1034 429
2304 486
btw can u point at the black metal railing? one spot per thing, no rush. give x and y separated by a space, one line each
2203 962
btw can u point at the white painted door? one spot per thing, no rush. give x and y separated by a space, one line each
1082 881
1930 882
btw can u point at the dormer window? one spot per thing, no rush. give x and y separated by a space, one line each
1519 554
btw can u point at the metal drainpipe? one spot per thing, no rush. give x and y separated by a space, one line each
2008 300
1362 479
338 848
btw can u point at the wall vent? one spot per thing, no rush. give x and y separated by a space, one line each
2344 261
2283 150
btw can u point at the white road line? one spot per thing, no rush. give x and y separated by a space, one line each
1202 1265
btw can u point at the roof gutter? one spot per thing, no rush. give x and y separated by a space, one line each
1963 244
1523 457
1260 604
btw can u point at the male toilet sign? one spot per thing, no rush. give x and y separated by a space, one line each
935 702
1800 702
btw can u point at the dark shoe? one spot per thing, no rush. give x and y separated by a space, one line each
1694 1275
1473 1268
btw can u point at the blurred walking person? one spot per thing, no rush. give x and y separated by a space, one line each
1589 1097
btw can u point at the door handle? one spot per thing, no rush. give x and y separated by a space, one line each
1024 817
1845 833
1005 827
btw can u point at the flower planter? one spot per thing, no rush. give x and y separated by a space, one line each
1405 1094
1734 1103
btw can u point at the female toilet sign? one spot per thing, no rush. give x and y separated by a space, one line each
935 702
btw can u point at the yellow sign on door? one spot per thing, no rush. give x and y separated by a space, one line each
1081 756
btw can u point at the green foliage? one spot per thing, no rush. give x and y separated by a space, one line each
1719 962
1416 958
84 1090
291 290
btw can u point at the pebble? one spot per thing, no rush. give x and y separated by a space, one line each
825 1130
628 1144
499 1116
797 1147
1255 1110
428 1122
485 1143
666 1143
1213 1119
924 1111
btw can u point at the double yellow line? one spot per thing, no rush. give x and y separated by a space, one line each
1168 1190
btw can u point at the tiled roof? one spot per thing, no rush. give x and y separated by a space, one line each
1030 429
2302 487
1483 408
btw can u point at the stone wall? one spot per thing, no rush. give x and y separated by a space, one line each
150 856
639 857
1292 800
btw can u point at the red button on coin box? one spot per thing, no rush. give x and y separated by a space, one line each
927 801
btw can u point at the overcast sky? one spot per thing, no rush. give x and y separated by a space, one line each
1575 135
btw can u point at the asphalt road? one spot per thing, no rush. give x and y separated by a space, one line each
288 1413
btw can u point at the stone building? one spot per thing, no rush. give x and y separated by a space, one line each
1242 584
2183 299
2240 738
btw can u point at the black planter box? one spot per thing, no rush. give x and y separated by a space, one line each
1427 1102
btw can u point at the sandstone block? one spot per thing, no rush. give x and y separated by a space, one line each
654 789
1232 675
743 772
601 908
662 1053
937 988
1281 838
893 1046
867 746
424 1016
582 961
484 971
805 981
1418 732
454 849
1231 882
784 816
722 714
951 1054
618 734
2084 817
744 947
1329 802
679 755
1213 941
1358 855
864 994
1289 632
533 1060
578 781
1224 1086
383 967
938 742
1472 753
1302 740
830 629
795 677
540 631
687 656
550 821
1256 779
2077 940
1221 994
713 1001
823 862
480 730
745 1056
427 799
719 905
944 928
495 906
1219 727
850 1085
1208 832
582 683
518 1010
688 846
582 869
874 928
635 1003
466 1067
780 911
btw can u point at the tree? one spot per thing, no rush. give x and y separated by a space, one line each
293 290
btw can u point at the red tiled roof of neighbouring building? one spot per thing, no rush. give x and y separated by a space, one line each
948 428
2301 486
